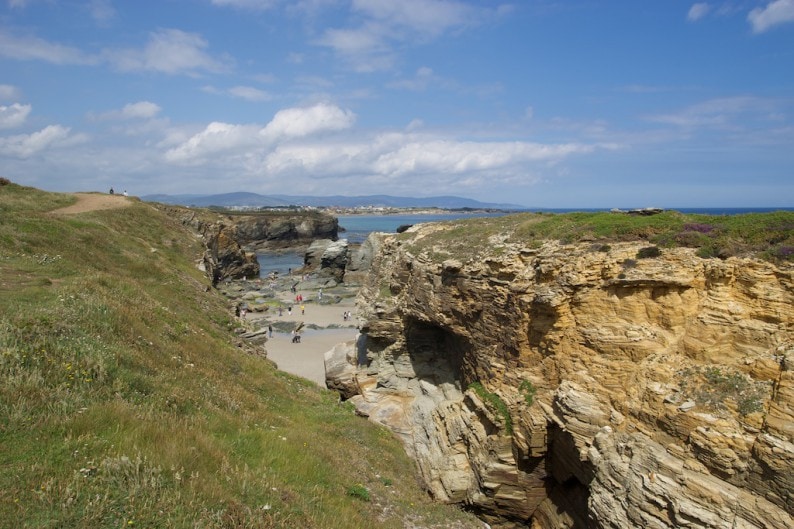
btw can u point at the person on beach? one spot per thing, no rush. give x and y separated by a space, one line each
303 309
269 331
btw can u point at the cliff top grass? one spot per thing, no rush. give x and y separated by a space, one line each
768 236
124 403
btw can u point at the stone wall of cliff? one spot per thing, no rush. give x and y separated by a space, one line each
229 241
278 230
569 386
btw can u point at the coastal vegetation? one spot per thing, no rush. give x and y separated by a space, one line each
768 236
125 402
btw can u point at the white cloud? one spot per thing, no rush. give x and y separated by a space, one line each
141 109
246 4
298 122
27 145
698 11
382 26
422 80
426 17
414 162
774 13
312 148
170 51
26 48
8 92
250 93
456 158
720 112
102 11
13 115
366 39
216 138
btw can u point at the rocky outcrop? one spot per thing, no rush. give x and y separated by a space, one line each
563 386
224 257
279 230
328 259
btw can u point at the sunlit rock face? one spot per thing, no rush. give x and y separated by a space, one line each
564 386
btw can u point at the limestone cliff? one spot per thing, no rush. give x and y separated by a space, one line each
569 386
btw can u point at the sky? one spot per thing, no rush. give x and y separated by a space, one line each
540 103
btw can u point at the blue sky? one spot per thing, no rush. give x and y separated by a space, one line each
578 103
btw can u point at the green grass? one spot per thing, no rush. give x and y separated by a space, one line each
768 236
496 403
716 387
124 403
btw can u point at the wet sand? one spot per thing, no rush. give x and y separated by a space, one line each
305 359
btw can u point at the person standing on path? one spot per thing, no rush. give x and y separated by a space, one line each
303 309
269 331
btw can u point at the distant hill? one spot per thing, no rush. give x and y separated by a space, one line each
256 200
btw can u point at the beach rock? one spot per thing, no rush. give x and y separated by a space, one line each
340 369
361 260
328 259
312 257
657 395
288 229
334 260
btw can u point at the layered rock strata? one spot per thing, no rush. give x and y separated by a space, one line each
279 230
224 257
563 386
230 241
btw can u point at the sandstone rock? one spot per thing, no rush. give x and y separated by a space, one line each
340 369
649 410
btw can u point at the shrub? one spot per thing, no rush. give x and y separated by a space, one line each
708 252
698 227
712 386
495 402
528 389
359 491
648 252
785 253
629 263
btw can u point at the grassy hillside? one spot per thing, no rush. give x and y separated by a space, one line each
123 402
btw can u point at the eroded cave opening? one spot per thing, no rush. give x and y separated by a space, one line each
437 356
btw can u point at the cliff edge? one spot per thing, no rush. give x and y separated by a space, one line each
545 384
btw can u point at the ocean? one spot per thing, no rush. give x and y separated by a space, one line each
358 227
356 230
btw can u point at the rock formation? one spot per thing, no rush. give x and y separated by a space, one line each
226 238
224 257
285 229
328 259
563 386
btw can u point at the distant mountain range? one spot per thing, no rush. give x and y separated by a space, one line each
273 201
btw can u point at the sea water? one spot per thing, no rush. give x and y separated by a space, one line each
356 229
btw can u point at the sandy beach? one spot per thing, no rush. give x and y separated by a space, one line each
305 359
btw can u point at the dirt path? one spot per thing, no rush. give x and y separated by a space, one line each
93 202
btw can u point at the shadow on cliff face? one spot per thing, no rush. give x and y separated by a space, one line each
437 356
